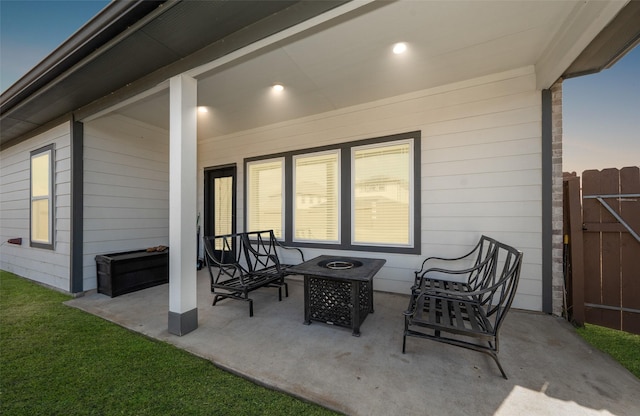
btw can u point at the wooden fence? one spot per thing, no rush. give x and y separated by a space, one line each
602 248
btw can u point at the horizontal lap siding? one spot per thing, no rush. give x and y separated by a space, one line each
50 267
481 166
126 189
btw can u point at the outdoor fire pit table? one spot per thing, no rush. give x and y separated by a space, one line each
338 290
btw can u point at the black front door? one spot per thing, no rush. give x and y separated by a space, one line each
220 205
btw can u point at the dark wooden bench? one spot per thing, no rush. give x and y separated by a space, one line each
243 262
468 316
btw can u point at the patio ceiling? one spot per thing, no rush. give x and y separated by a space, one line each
120 61
130 46
348 61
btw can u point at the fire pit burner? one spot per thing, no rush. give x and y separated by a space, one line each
340 264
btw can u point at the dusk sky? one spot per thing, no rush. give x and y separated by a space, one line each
601 112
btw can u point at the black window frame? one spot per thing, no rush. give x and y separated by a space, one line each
345 194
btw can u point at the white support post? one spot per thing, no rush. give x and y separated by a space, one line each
183 309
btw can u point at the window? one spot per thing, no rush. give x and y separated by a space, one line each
265 196
381 194
361 195
317 197
42 174
223 202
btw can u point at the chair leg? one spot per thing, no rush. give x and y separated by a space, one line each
495 358
404 335
216 298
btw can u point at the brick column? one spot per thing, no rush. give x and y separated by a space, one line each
556 161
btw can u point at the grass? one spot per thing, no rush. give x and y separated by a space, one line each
622 346
57 360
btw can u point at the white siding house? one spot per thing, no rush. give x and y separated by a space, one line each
476 86
126 189
481 166
50 267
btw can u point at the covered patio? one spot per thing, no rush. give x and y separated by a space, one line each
473 100
551 369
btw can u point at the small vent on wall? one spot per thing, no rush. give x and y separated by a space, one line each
17 241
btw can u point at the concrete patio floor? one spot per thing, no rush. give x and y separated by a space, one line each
551 370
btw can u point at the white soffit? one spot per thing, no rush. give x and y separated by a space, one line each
347 60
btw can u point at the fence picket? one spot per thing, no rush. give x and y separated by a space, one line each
630 249
610 246
592 249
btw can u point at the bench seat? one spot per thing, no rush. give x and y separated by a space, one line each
240 263
472 314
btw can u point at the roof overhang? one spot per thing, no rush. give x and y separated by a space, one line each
131 48
612 43
128 41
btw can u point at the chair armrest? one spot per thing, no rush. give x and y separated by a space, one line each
450 271
412 305
225 271
478 248
488 262
210 259
446 259
279 244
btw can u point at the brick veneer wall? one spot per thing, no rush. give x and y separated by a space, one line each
556 213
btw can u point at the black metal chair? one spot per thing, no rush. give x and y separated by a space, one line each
475 313
242 262
261 251
464 273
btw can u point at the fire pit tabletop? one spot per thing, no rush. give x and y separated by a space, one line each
345 267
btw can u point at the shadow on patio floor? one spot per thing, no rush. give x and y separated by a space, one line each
551 370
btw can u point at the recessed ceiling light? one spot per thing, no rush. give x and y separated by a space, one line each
202 110
278 87
399 48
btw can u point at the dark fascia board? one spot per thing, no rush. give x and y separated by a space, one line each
620 36
117 17
109 22
288 17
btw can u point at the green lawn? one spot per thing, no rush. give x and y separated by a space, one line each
57 360
622 346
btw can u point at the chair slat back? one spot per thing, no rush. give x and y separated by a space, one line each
485 260
507 266
224 253
260 248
